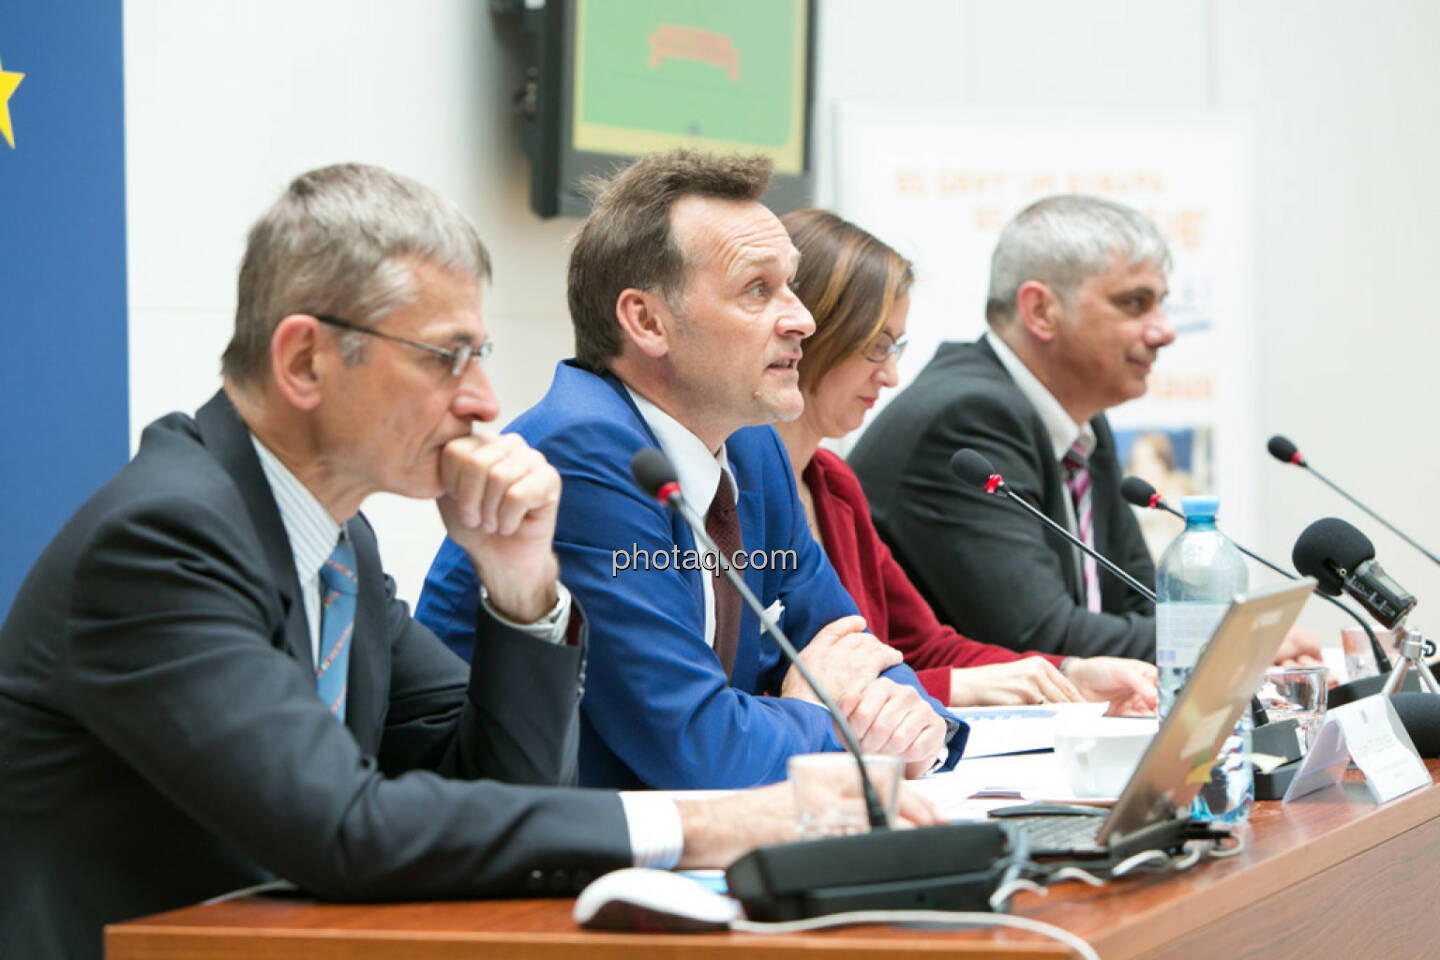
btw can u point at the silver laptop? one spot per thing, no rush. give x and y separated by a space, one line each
1179 759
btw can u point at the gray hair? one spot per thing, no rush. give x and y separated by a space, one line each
1062 240
341 241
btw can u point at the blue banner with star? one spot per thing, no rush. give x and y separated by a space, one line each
64 396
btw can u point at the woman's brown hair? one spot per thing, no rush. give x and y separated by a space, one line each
848 280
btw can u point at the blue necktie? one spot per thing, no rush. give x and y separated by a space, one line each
337 624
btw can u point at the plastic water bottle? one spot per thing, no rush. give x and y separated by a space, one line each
1197 576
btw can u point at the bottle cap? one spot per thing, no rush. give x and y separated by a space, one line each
1207 506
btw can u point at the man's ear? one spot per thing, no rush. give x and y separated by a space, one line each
1038 310
296 360
644 321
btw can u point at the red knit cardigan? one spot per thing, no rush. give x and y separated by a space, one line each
893 609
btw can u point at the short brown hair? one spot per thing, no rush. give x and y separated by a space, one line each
627 240
341 240
848 280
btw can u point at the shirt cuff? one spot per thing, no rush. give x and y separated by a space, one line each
952 726
550 628
657 836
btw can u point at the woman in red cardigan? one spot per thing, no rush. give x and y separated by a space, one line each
857 288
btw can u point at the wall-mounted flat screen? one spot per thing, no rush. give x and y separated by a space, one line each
615 79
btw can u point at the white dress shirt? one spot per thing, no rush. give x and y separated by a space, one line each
312 531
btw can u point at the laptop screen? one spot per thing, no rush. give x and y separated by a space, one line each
1179 759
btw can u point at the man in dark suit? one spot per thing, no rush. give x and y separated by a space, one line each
206 681
1074 309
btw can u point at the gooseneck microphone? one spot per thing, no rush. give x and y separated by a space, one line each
931 868
1141 494
1343 558
655 475
1340 557
1283 450
972 468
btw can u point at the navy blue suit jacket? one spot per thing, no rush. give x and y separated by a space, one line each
986 568
658 710
161 740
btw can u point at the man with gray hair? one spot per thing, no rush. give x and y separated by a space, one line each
1074 309
206 681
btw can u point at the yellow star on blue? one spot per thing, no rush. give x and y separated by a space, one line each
8 82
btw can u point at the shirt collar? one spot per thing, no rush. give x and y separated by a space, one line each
1064 432
695 467
312 531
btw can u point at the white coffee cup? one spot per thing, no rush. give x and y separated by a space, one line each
1098 754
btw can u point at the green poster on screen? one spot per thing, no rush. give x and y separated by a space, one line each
655 74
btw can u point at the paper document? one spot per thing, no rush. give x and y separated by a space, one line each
975 786
995 731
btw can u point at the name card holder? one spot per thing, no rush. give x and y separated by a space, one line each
1369 732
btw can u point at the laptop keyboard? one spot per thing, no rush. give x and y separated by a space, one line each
1058 834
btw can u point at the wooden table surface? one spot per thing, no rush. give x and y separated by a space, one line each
1330 875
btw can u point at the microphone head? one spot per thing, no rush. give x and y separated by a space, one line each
1283 450
972 468
652 470
1138 493
1326 545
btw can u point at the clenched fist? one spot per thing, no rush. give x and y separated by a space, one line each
500 501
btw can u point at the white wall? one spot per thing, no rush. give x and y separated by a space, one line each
226 102
1344 98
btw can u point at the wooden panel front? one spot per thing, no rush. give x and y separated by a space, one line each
1346 875
1380 903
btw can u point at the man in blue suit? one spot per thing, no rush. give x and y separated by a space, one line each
687 337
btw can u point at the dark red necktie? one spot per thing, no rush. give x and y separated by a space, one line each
723 526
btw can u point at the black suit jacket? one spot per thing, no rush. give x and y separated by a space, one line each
161 740
985 566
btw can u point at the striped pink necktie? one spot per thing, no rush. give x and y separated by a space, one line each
1077 480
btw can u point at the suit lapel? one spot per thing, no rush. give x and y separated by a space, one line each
680 532
750 506
1054 507
228 439
1105 477
1052 484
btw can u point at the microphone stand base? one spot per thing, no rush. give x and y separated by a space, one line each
952 867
